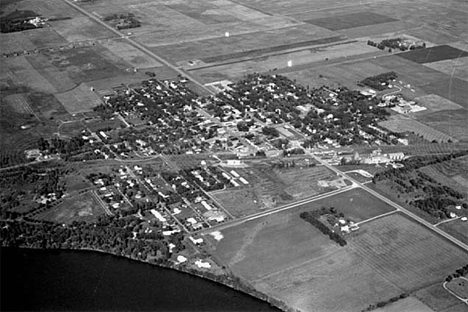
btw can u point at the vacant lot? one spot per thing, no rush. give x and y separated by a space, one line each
80 208
240 202
351 20
302 182
79 100
406 253
433 54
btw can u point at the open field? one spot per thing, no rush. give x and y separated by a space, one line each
308 272
450 121
451 88
240 202
79 100
435 103
27 75
84 64
356 204
454 67
80 208
433 54
245 45
81 28
59 79
302 60
396 247
132 55
302 182
400 123
408 304
437 298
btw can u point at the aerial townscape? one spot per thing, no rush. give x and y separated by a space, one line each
312 154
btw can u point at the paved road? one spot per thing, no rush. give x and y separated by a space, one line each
398 207
238 221
182 72
139 46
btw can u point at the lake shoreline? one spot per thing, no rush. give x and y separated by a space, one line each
230 281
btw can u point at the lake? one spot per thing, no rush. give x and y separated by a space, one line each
90 281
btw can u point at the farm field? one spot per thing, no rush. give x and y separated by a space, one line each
451 88
304 58
395 247
457 67
247 45
400 123
310 272
79 100
433 54
80 208
435 103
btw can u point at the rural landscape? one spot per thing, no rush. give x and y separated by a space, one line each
313 154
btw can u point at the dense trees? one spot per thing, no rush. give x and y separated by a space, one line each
312 218
425 193
463 271
379 82
111 234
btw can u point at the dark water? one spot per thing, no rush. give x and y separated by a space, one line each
44 280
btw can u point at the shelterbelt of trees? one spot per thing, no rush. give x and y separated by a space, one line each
313 218
408 179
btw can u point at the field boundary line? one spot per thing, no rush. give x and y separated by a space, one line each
261 214
294 267
377 217
137 45
448 220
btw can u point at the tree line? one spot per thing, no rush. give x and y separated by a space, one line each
313 218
